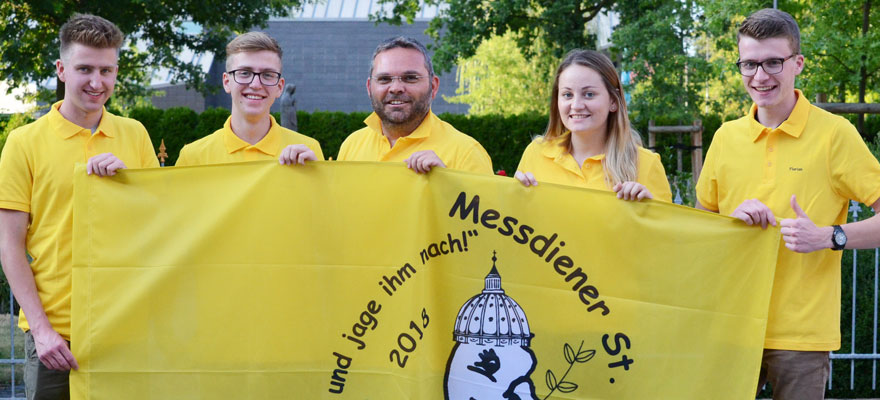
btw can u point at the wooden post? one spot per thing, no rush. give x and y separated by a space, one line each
697 152
678 153
696 142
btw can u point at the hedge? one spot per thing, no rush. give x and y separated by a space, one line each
504 137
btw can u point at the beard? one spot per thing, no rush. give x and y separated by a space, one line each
418 109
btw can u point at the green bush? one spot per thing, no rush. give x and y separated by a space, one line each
150 117
211 120
504 137
177 128
329 128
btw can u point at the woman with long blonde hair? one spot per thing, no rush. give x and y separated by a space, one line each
589 141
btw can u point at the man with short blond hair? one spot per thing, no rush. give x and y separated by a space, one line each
402 127
36 193
253 79
791 159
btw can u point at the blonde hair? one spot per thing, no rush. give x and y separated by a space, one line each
251 42
89 30
621 141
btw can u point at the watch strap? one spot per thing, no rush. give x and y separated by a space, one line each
837 232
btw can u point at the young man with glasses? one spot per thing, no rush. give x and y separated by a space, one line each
402 127
790 159
36 193
253 80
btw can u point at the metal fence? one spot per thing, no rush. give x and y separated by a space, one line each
857 212
15 390
850 305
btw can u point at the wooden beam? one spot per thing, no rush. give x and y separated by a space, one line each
674 129
850 108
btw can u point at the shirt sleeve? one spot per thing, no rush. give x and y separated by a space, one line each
345 149
16 176
707 185
316 147
184 159
655 178
149 159
475 160
854 171
526 162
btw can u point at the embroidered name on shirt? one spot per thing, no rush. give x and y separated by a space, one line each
795 169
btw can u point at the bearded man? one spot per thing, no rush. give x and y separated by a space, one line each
402 127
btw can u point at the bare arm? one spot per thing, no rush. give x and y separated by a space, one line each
864 234
51 347
803 236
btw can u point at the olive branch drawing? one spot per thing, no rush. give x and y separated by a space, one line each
572 357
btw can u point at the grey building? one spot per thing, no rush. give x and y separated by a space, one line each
327 50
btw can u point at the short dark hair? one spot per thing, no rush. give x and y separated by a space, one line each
406 43
771 23
90 30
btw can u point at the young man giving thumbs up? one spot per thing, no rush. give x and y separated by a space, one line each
790 159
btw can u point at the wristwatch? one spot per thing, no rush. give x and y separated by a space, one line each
838 238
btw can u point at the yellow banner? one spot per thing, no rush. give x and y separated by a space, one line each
367 281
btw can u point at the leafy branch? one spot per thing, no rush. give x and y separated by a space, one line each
572 357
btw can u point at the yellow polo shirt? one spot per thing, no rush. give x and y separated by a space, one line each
819 157
455 149
550 162
223 146
36 176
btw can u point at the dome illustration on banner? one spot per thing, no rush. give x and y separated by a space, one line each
491 358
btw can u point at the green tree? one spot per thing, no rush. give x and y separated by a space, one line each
498 79
842 51
164 28
556 25
657 41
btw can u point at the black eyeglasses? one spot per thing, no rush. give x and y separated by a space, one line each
771 66
246 76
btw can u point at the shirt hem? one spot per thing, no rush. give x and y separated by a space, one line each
801 346
15 206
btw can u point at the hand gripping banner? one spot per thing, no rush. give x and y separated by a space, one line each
368 281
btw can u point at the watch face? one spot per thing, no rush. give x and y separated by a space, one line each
839 238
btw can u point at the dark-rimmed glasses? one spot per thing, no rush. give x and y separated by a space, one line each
771 66
246 76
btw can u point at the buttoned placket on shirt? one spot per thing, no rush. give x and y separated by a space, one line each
563 157
403 143
793 126
269 144
68 130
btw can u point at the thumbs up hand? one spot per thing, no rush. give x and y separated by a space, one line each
801 234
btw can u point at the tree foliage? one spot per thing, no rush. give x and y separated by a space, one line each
29 35
460 27
497 79
843 45
657 42
679 53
